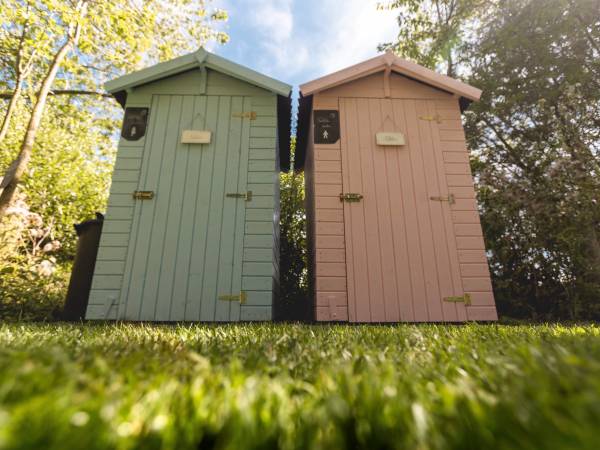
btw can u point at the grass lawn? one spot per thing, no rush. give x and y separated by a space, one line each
293 386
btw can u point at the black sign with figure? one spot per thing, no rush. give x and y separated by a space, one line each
134 123
327 126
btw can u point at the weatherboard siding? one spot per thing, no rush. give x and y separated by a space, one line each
258 267
327 225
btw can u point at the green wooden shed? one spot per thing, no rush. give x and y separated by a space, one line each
192 226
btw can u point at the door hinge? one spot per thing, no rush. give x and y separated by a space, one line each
245 115
350 197
245 195
437 118
466 299
242 297
450 199
143 195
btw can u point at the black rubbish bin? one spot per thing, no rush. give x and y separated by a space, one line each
83 268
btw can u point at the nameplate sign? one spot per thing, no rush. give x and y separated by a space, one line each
390 139
195 137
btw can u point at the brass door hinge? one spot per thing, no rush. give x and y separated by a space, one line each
245 115
242 297
350 197
466 299
245 195
450 199
437 118
143 195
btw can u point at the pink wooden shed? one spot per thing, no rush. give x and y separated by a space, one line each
393 228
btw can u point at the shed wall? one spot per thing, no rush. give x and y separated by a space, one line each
324 179
259 266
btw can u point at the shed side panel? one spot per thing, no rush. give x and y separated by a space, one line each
471 257
112 252
260 268
327 225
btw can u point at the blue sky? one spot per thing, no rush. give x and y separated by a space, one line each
297 41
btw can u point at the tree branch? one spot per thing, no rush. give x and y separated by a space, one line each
8 95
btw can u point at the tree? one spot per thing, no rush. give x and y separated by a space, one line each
536 140
432 32
76 42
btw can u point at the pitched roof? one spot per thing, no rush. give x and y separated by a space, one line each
398 65
192 61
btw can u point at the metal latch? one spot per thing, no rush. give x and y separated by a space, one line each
450 199
466 299
437 118
245 115
143 195
245 195
235 298
350 197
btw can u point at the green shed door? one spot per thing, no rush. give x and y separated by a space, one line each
187 242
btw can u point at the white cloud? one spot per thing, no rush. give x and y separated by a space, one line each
298 40
354 34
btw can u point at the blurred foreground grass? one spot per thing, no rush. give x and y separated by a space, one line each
295 386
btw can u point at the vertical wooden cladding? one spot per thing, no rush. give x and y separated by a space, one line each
397 254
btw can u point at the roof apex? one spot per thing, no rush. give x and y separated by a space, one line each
199 58
396 64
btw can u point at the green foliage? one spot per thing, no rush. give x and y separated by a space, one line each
536 137
32 281
293 249
74 149
293 301
432 32
294 387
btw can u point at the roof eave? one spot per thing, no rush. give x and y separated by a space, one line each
398 65
192 61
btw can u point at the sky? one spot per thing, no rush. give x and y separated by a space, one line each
296 41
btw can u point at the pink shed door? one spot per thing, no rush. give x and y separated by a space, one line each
401 251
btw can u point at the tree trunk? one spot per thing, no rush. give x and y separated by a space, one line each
22 159
12 104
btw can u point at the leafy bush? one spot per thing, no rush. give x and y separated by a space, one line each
294 387
32 281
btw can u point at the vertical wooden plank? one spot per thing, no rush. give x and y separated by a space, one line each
133 293
383 218
173 196
240 219
162 202
356 246
397 212
422 202
417 310
215 213
435 188
190 197
229 212
199 254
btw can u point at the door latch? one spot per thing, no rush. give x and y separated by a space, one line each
242 297
351 197
245 115
466 299
450 199
437 118
143 195
245 195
